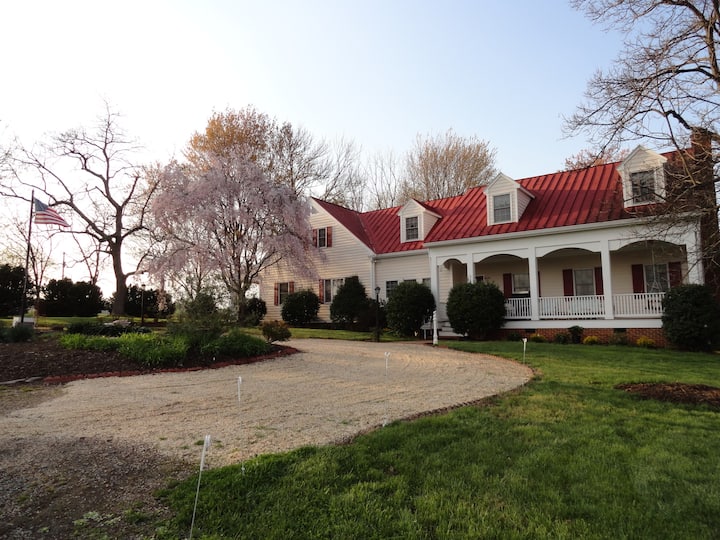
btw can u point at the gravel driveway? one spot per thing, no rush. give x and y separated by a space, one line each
332 390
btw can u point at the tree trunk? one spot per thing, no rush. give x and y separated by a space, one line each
118 307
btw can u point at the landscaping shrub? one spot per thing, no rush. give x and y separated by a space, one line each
97 329
576 333
199 322
255 310
563 338
537 338
408 307
275 331
514 336
18 334
476 309
152 351
644 341
235 344
591 340
618 338
370 316
691 318
349 302
90 343
300 307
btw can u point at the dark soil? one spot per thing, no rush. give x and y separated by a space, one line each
692 394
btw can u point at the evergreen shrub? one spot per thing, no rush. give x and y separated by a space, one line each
300 307
408 307
691 318
476 309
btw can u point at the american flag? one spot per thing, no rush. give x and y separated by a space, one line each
44 215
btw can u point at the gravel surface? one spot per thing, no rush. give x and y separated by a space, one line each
123 436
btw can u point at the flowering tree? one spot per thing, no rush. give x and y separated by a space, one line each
223 210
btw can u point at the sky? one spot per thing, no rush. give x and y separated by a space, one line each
377 72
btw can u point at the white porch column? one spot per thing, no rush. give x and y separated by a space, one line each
435 279
696 272
534 285
470 269
607 279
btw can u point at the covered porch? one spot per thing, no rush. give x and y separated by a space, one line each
609 283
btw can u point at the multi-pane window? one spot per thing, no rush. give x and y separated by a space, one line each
390 286
283 291
330 288
657 278
521 283
501 208
643 186
412 230
322 237
584 279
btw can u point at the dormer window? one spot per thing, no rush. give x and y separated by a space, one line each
412 230
643 186
643 177
501 208
505 200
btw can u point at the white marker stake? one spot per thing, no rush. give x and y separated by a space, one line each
524 346
206 445
387 390
239 385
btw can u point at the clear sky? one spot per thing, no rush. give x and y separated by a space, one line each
374 71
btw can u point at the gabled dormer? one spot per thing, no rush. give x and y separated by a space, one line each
416 220
643 177
506 200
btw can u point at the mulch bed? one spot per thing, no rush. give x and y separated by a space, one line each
692 394
45 360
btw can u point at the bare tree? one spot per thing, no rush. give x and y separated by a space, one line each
588 157
383 183
446 165
90 174
343 182
663 87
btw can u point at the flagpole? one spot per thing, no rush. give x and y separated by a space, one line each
23 301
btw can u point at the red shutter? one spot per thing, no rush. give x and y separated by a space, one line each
321 291
675 274
291 287
328 236
277 294
314 237
507 285
568 284
598 280
638 278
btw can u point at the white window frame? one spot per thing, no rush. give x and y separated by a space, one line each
322 233
643 186
282 295
657 277
500 210
330 288
390 286
414 229
517 286
581 285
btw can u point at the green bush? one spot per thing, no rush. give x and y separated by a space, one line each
646 342
20 333
255 310
235 344
562 338
476 309
275 331
371 316
513 336
408 307
199 322
349 302
691 318
98 329
537 338
152 351
90 343
576 333
300 307
618 338
591 340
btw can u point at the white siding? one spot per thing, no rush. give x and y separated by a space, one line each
401 268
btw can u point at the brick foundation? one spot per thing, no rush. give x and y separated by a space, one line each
605 335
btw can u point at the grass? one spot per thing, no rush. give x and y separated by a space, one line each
566 457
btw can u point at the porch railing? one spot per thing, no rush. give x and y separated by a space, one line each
587 307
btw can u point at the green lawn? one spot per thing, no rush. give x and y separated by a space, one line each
568 456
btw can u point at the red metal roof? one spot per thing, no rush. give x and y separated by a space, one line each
562 199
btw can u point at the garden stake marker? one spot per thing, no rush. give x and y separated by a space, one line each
387 390
206 445
239 384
